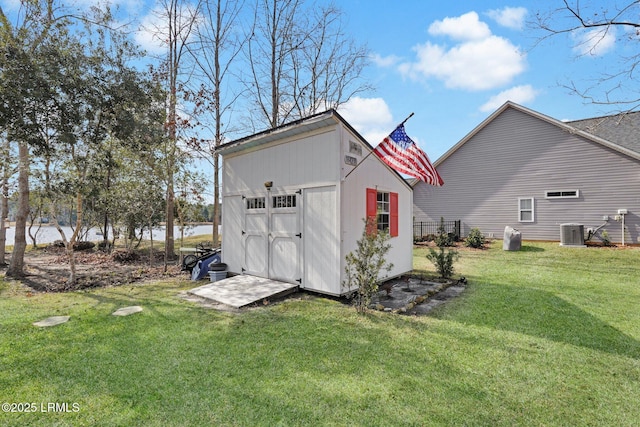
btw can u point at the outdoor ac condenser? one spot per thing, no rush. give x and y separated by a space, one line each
571 235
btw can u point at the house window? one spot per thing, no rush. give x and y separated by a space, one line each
526 210
288 201
256 203
563 194
382 210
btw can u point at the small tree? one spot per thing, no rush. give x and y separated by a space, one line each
365 264
443 258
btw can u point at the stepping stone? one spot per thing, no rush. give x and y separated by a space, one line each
125 311
52 321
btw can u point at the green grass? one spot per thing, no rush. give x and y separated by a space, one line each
544 336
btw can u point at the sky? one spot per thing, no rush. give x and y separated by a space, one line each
453 63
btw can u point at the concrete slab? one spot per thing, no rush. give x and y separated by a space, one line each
125 311
52 321
243 290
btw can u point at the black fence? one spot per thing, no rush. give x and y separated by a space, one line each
428 230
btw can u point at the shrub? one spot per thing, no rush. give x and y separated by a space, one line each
124 255
444 239
363 266
83 246
606 241
475 239
443 260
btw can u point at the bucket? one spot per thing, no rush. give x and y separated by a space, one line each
217 275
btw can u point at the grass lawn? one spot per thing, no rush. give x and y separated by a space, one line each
543 336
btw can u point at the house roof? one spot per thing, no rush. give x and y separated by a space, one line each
297 127
613 132
622 129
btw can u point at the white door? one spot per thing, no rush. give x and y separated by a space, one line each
321 240
271 236
284 237
254 236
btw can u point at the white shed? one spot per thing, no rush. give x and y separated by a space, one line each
294 203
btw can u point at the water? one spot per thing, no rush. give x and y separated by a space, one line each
49 234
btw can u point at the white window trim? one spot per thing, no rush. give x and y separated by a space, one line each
533 209
561 196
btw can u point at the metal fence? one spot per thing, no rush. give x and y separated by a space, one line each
428 230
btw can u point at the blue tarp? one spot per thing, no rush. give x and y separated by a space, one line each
202 268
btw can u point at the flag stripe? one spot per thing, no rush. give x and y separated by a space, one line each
402 154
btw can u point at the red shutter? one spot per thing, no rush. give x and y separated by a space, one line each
393 214
372 210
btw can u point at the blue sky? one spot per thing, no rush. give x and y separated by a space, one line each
454 63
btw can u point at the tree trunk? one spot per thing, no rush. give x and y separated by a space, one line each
16 267
4 207
74 237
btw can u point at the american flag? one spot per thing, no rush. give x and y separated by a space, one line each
402 154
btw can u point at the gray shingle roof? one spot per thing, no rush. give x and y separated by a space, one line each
621 129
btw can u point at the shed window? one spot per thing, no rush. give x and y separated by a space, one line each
256 203
562 194
526 210
382 208
288 201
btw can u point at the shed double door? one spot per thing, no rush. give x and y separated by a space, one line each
272 237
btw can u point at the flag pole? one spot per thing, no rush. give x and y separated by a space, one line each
371 152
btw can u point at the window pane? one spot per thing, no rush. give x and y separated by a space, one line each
525 204
526 216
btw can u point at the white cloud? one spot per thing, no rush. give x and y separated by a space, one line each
518 94
596 42
384 61
480 61
154 27
371 117
510 17
464 27
475 65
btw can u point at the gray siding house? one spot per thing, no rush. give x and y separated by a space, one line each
533 172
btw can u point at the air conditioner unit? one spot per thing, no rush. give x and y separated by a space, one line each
571 235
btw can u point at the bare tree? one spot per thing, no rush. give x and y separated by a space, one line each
327 68
271 41
179 21
591 26
300 60
216 50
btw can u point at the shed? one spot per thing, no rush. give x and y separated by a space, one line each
294 199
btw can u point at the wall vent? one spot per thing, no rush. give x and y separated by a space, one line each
571 235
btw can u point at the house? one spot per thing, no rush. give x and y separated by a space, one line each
294 201
534 173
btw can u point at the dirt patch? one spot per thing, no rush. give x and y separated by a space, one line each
47 270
